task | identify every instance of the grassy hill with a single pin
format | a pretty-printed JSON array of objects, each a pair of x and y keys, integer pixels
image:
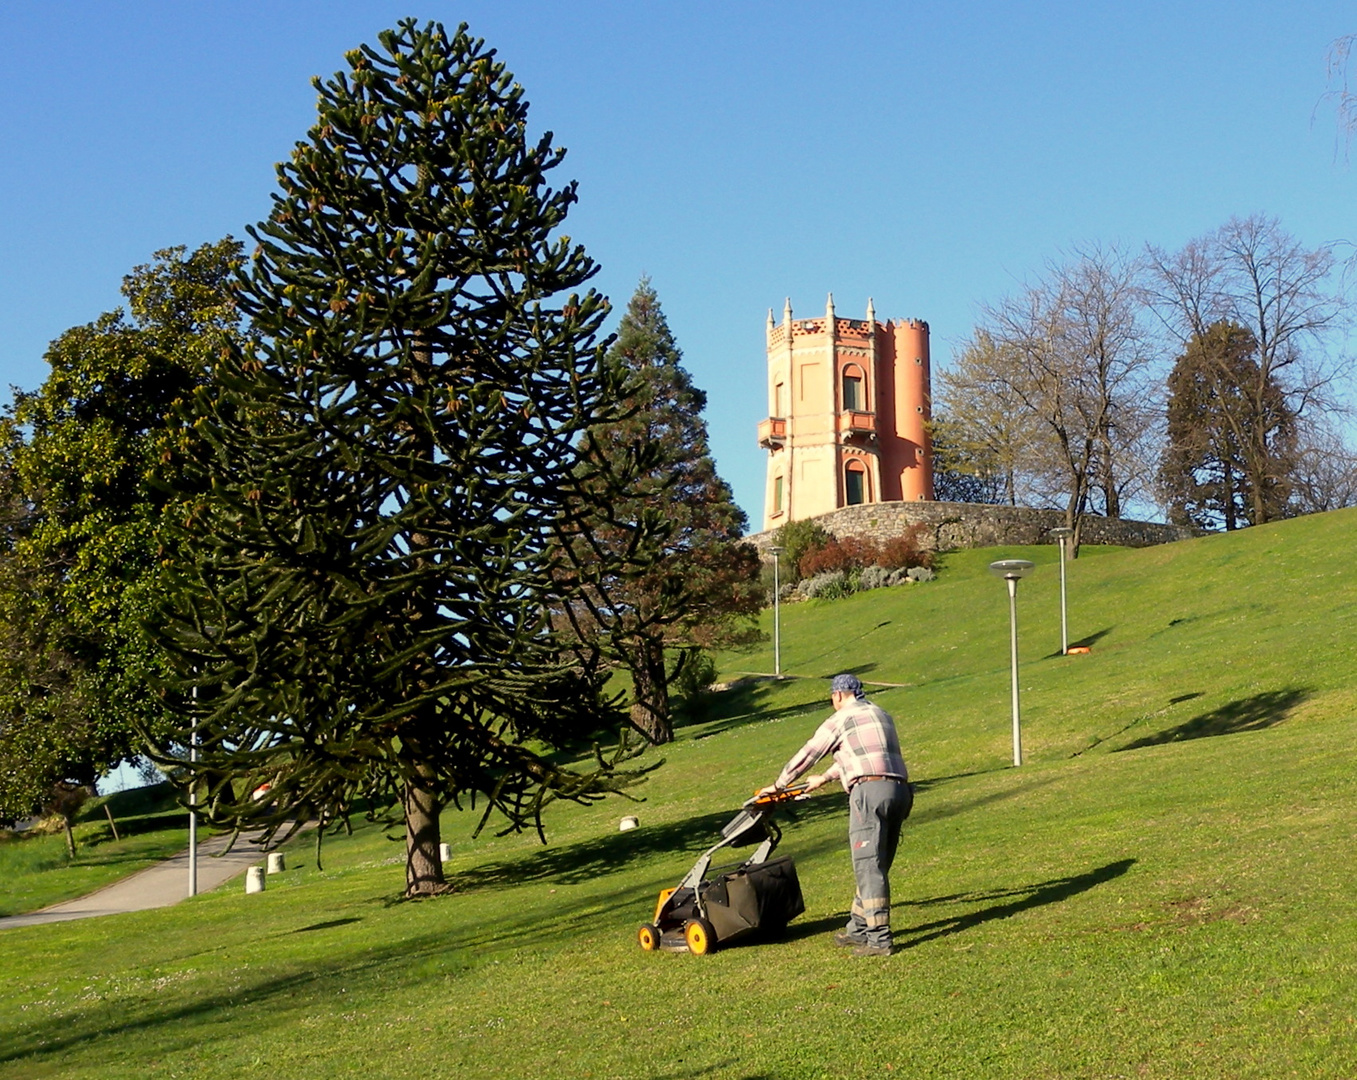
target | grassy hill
[{"x": 1162, "y": 890}]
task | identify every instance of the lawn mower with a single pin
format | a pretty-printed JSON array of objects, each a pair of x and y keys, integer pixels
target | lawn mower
[{"x": 759, "y": 895}]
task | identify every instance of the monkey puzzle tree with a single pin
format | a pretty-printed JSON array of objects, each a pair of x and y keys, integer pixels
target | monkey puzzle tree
[{"x": 363, "y": 605}]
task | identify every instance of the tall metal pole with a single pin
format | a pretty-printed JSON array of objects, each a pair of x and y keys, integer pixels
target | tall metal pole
[
  {"x": 1013, "y": 655},
  {"x": 777, "y": 614},
  {"x": 1064, "y": 622},
  {"x": 1011, "y": 570},
  {"x": 193, "y": 803}
]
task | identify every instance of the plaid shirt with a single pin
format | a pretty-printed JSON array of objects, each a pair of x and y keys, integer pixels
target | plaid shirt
[{"x": 862, "y": 738}]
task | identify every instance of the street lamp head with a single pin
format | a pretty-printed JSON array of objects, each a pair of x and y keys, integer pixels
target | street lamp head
[
  {"x": 777, "y": 550},
  {"x": 1062, "y": 532},
  {"x": 1011, "y": 569}
]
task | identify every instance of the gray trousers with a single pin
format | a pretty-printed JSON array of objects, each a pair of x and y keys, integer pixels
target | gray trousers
[{"x": 876, "y": 810}]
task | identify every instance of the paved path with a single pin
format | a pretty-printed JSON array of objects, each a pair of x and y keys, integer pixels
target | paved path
[{"x": 161, "y": 885}]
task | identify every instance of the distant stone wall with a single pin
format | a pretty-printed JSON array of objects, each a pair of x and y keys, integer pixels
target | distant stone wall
[{"x": 948, "y": 526}]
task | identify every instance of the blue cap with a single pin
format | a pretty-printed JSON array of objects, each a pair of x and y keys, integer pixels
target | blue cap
[{"x": 846, "y": 684}]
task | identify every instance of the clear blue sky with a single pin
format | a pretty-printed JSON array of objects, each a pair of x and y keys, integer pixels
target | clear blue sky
[{"x": 928, "y": 155}]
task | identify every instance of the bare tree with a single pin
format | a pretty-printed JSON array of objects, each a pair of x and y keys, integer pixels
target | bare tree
[
  {"x": 1340, "y": 91},
  {"x": 1251, "y": 273},
  {"x": 1107, "y": 344},
  {"x": 1325, "y": 476},
  {"x": 982, "y": 432},
  {"x": 1065, "y": 362}
]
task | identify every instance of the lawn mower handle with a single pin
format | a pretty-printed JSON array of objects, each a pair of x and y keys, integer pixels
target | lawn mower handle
[{"x": 794, "y": 793}]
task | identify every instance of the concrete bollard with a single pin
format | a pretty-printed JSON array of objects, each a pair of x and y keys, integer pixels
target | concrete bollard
[
  {"x": 444, "y": 852},
  {"x": 628, "y": 823},
  {"x": 254, "y": 879},
  {"x": 276, "y": 862}
]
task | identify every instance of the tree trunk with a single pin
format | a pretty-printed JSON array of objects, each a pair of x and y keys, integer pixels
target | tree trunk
[
  {"x": 1111, "y": 496},
  {"x": 1074, "y": 521},
  {"x": 423, "y": 867},
  {"x": 1227, "y": 483},
  {"x": 70, "y": 836},
  {"x": 650, "y": 705}
]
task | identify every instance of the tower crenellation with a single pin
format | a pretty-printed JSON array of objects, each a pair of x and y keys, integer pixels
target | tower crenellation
[{"x": 848, "y": 410}]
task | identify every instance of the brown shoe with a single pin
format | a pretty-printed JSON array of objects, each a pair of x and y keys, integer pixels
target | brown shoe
[
  {"x": 844, "y": 940},
  {"x": 872, "y": 950}
]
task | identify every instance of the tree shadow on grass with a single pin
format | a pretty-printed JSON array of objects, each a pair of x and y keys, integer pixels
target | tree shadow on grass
[
  {"x": 591, "y": 859},
  {"x": 265, "y": 1000},
  {"x": 748, "y": 702},
  {"x": 683, "y": 840},
  {"x": 1246, "y": 714},
  {"x": 330, "y": 925},
  {"x": 1023, "y": 898}
]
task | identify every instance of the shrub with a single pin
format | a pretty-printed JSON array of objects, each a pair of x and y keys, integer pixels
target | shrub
[
  {"x": 828, "y": 586},
  {"x": 906, "y": 550},
  {"x": 848, "y": 553},
  {"x": 796, "y": 538},
  {"x": 875, "y": 577},
  {"x": 920, "y": 573},
  {"x": 857, "y": 553},
  {"x": 695, "y": 673}
]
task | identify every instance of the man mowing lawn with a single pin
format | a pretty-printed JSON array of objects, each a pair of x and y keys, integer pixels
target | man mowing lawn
[{"x": 867, "y": 761}]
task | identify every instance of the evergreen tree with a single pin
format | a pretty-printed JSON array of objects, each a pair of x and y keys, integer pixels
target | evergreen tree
[
  {"x": 1232, "y": 438},
  {"x": 363, "y": 611},
  {"x": 688, "y": 583},
  {"x": 84, "y": 477}
]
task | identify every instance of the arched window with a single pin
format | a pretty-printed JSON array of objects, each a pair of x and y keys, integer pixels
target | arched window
[
  {"x": 854, "y": 393},
  {"x": 854, "y": 484}
]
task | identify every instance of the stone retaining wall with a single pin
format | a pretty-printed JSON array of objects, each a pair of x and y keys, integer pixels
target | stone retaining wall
[{"x": 948, "y": 526}]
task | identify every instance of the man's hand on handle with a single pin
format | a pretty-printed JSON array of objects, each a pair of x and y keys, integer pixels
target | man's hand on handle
[{"x": 811, "y": 783}]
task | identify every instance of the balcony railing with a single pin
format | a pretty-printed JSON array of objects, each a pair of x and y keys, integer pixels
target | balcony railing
[
  {"x": 772, "y": 432},
  {"x": 855, "y": 422}
]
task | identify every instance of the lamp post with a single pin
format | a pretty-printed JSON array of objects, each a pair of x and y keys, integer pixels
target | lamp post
[
  {"x": 777, "y": 613},
  {"x": 193, "y": 802},
  {"x": 1062, "y": 534},
  {"x": 1011, "y": 570}
]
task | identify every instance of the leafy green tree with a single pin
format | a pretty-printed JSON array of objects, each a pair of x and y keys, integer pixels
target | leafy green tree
[
  {"x": 1232, "y": 440},
  {"x": 364, "y": 597},
  {"x": 84, "y": 477},
  {"x": 692, "y": 584}
]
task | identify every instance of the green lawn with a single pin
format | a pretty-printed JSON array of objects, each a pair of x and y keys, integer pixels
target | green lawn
[
  {"x": 1163, "y": 890},
  {"x": 37, "y": 871}
]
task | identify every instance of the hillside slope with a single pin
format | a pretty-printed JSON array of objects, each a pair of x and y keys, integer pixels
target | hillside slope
[{"x": 1163, "y": 890}]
